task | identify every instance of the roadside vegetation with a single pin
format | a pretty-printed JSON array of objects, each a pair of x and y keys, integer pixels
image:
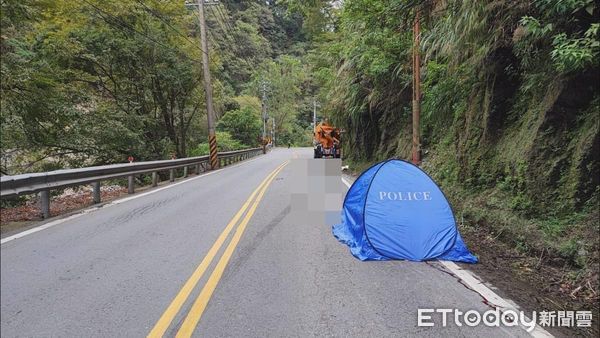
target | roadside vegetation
[
  {"x": 510, "y": 117},
  {"x": 94, "y": 82},
  {"x": 510, "y": 107}
]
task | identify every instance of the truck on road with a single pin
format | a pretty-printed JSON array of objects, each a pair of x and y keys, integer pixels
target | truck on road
[{"x": 326, "y": 141}]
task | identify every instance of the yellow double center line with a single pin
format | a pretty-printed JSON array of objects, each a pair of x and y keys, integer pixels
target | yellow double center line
[{"x": 192, "y": 318}]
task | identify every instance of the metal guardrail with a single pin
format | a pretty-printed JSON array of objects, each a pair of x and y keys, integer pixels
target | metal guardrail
[{"x": 42, "y": 183}]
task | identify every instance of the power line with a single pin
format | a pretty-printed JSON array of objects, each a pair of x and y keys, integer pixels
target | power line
[
  {"x": 161, "y": 18},
  {"x": 214, "y": 40},
  {"x": 222, "y": 14},
  {"x": 228, "y": 24},
  {"x": 233, "y": 38},
  {"x": 104, "y": 14},
  {"x": 223, "y": 22},
  {"x": 226, "y": 27},
  {"x": 231, "y": 27},
  {"x": 224, "y": 30}
]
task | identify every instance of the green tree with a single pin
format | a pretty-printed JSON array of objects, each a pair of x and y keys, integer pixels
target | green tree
[
  {"x": 286, "y": 83},
  {"x": 95, "y": 81},
  {"x": 225, "y": 142},
  {"x": 243, "y": 125}
]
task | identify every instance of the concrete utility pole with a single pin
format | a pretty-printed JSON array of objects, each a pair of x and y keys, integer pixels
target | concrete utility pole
[
  {"x": 265, "y": 115},
  {"x": 416, "y": 99},
  {"x": 314, "y": 113},
  {"x": 273, "y": 131},
  {"x": 212, "y": 137}
]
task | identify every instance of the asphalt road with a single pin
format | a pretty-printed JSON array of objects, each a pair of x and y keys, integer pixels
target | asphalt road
[{"x": 115, "y": 271}]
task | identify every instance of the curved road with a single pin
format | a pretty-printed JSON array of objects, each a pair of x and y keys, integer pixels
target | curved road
[{"x": 116, "y": 271}]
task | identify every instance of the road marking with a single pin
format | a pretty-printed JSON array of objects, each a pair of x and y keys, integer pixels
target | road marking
[
  {"x": 119, "y": 201},
  {"x": 167, "y": 317},
  {"x": 476, "y": 285},
  {"x": 193, "y": 317},
  {"x": 346, "y": 182},
  {"x": 40, "y": 228},
  {"x": 503, "y": 305}
]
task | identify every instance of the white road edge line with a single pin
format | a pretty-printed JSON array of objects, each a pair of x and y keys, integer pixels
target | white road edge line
[
  {"x": 472, "y": 281},
  {"x": 119, "y": 201}
]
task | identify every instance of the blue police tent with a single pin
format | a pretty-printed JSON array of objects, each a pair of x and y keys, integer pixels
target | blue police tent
[{"x": 394, "y": 210}]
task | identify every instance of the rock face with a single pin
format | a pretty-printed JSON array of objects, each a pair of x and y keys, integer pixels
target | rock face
[{"x": 541, "y": 145}]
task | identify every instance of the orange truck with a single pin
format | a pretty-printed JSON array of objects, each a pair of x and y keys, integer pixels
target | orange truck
[{"x": 326, "y": 141}]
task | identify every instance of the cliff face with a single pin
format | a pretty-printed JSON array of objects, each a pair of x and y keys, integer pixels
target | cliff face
[
  {"x": 541, "y": 146},
  {"x": 531, "y": 153},
  {"x": 545, "y": 144}
]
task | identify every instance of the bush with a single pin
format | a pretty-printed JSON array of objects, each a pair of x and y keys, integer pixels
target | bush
[
  {"x": 241, "y": 124},
  {"x": 224, "y": 143}
]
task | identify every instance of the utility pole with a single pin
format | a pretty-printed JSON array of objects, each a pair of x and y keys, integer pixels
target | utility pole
[
  {"x": 314, "y": 113},
  {"x": 416, "y": 99},
  {"x": 210, "y": 117},
  {"x": 265, "y": 116},
  {"x": 273, "y": 131}
]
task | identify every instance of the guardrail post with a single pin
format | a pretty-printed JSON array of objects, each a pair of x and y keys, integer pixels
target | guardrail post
[
  {"x": 154, "y": 179},
  {"x": 130, "y": 184},
  {"x": 94, "y": 177},
  {"x": 45, "y": 203},
  {"x": 96, "y": 192}
]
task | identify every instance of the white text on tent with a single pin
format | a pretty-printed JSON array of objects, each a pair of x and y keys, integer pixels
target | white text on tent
[{"x": 405, "y": 196}]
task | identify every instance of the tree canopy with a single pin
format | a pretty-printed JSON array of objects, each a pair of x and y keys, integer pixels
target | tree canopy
[{"x": 93, "y": 82}]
